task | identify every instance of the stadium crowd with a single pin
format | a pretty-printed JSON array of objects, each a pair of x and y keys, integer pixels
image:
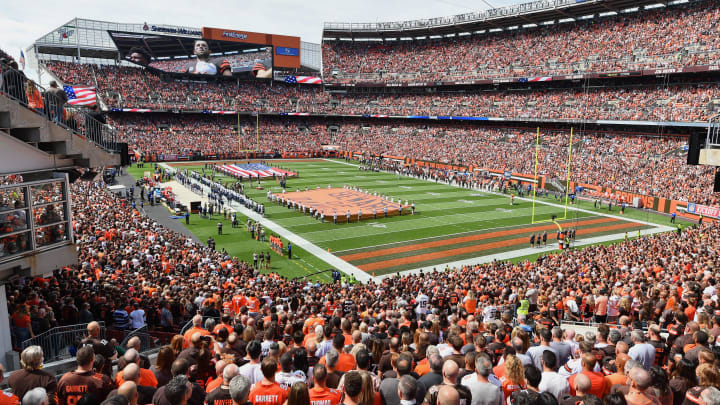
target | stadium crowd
[
  {"x": 642, "y": 164},
  {"x": 482, "y": 334},
  {"x": 136, "y": 88},
  {"x": 210, "y": 134},
  {"x": 132, "y": 87},
  {"x": 660, "y": 38}
]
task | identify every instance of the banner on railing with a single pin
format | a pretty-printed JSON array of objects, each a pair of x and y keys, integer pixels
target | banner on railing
[{"x": 703, "y": 210}]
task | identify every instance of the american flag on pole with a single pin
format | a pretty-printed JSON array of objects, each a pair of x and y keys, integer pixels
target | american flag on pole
[
  {"x": 254, "y": 170},
  {"x": 22, "y": 59},
  {"x": 303, "y": 79},
  {"x": 78, "y": 95}
]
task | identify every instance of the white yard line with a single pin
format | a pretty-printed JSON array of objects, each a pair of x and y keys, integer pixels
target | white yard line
[
  {"x": 571, "y": 208},
  {"x": 440, "y": 237},
  {"x": 528, "y": 251},
  {"x": 521, "y": 252},
  {"x": 299, "y": 241}
]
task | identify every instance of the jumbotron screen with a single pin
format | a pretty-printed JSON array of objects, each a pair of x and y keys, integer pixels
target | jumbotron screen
[{"x": 257, "y": 62}]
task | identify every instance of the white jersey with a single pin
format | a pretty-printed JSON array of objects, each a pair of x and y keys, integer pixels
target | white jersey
[
  {"x": 574, "y": 366},
  {"x": 422, "y": 304},
  {"x": 489, "y": 314}
]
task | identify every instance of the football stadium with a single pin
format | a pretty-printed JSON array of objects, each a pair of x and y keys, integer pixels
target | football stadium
[{"x": 511, "y": 205}]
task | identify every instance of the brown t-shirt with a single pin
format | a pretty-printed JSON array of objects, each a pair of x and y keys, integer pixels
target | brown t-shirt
[
  {"x": 74, "y": 385},
  {"x": 219, "y": 396},
  {"x": 22, "y": 381}
]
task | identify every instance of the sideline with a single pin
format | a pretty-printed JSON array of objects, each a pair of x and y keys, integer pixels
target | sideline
[
  {"x": 298, "y": 241},
  {"x": 656, "y": 228}
]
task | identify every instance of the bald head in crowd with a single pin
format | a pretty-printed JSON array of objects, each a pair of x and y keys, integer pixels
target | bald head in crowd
[
  {"x": 195, "y": 338},
  {"x": 640, "y": 378},
  {"x": 93, "y": 329},
  {"x": 229, "y": 372},
  {"x": 450, "y": 372},
  {"x": 582, "y": 384},
  {"x": 131, "y": 356},
  {"x": 133, "y": 343},
  {"x": 448, "y": 395},
  {"x": 131, "y": 372},
  {"x": 128, "y": 389}
]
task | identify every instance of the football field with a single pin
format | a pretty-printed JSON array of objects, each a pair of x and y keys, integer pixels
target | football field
[{"x": 451, "y": 225}]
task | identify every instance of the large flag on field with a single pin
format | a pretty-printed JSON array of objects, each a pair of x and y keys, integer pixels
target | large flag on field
[
  {"x": 254, "y": 170},
  {"x": 79, "y": 95}
]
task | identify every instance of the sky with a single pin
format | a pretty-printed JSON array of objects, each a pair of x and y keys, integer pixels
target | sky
[{"x": 22, "y": 23}]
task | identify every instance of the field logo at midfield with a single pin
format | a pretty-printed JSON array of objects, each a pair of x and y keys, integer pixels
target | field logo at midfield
[{"x": 340, "y": 200}]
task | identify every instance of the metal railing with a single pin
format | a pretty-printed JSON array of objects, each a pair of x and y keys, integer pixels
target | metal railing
[
  {"x": 712, "y": 141},
  {"x": 57, "y": 342},
  {"x": 51, "y": 103},
  {"x": 147, "y": 341}
]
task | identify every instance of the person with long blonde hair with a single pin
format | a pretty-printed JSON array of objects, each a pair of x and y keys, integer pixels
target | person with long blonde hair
[{"x": 514, "y": 376}]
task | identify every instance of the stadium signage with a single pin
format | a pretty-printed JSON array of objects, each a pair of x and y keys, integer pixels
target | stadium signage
[
  {"x": 171, "y": 30},
  {"x": 703, "y": 210},
  {"x": 236, "y": 35}
]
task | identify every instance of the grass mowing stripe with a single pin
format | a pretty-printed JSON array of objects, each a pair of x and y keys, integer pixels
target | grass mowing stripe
[{"x": 458, "y": 251}]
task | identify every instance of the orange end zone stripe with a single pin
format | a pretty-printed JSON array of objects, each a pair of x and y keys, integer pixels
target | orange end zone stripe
[
  {"x": 477, "y": 248},
  {"x": 463, "y": 239}
]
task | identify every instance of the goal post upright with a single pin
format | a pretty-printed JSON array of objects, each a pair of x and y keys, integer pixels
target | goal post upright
[
  {"x": 257, "y": 134},
  {"x": 567, "y": 180},
  {"x": 537, "y": 151}
]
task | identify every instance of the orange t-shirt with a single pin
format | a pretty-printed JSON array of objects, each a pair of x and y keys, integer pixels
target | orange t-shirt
[
  {"x": 147, "y": 378},
  {"x": 272, "y": 394},
  {"x": 213, "y": 384},
  {"x": 346, "y": 362},
  {"x": 253, "y": 304},
  {"x": 422, "y": 368},
  {"x": 470, "y": 306},
  {"x": 238, "y": 302},
  {"x": 21, "y": 321},
  {"x": 509, "y": 387},
  {"x": 598, "y": 383},
  {"x": 191, "y": 332},
  {"x": 324, "y": 396}
]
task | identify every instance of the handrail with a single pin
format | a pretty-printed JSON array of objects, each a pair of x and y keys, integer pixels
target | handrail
[
  {"x": 55, "y": 341},
  {"x": 37, "y": 98}
]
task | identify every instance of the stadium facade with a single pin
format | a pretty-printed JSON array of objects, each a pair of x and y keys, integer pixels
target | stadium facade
[{"x": 88, "y": 41}]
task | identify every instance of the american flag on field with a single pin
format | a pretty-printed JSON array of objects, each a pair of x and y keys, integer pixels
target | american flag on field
[
  {"x": 254, "y": 170},
  {"x": 78, "y": 95},
  {"x": 303, "y": 79}
]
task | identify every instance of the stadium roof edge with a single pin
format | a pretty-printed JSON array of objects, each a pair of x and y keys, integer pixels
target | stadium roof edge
[
  {"x": 535, "y": 12},
  {"x": 89, "y": 38}
]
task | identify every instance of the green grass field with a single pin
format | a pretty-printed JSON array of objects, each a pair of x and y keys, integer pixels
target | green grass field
[{"x": 450, "y": 223}]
